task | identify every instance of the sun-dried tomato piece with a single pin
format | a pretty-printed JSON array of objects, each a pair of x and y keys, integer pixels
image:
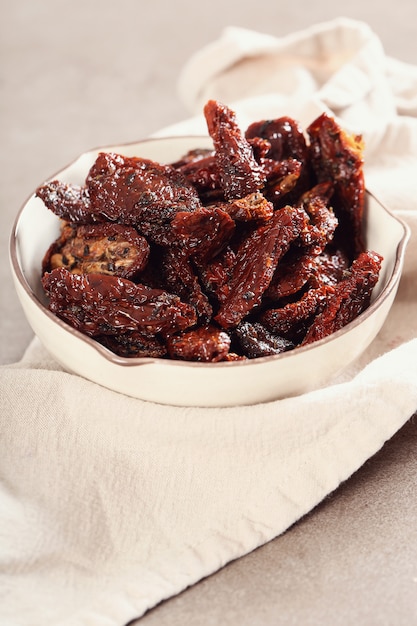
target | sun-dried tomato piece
[
  {"x": 282, "y": 178},
  {"x": 256, "y": 341},
  {"x": 351, "y": 296},
  {"x": 140, "y": 192},
  {"x": 99, "y": 304},
  {"x": 287, "y": 143},
  {"x": 292, "y": 273},
  {"x": 98, "y": 249},
  {"x": 180, "y": 278},
  {"x": 256, "y": 260},
  {"x": 322, "y": 224},
  {"x": 240, "y": 174},
  {"x": 253, "y": 207},
  {"x": 201, "y": 170},
  {"x": 299, "y": 264},
  {"x": 204, "y": 232},
  {"x": 285, "y": 136},
  {"x": 292, "y": 320},
  {"x": 126, "y": 190},
  {"x": 328, "y": 268},
  {"x": 70, "y": 202},
  {"x": 261, "y": 147},
  {"x": 119, "y": 187},
  {"x": 337, "y": 156},
  {"x": 206, "y": 344},
  {"x": 133, "y": 344},
  {"x": 299, "y": 268},
  {"x": 215, "y": 275}
]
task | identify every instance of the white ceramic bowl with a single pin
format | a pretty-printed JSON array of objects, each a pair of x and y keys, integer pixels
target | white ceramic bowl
[{"x": 188, "y": 383}]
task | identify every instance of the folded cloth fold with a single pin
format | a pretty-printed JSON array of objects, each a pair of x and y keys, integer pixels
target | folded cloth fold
[
  {"x": 109, "y": 505},
  {"x": 337, "y": 63}
]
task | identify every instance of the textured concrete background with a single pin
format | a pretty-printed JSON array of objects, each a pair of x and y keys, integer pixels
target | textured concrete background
[{"x": 79, "y": 74}]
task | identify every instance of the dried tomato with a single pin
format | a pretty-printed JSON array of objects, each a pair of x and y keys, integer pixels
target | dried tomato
[
  {"x": 285, "y": 136},
  {"x": 293, "y": 272},
  {"x": 201, "y": 170},
  {"x": 282, "y": 178},
  {"x": 328, "y": 268},
  {"x": 293, "y": 320},
  {"x": 179, "y": 277},
  {"x": 287, "y": 144},
  {"x": 337, "y": 156},
  {"x": 352, "y": 295},
  {"x": 255, "y": 263},
  {"x": 240, "y": 174},
  {"x": 98, "y": 248},
  {"x": 216, "y": 274},
  {"x": 68, "y": 201},
  {"x": 322, "y": 222},
  {"x": 256, "y": 341},
  {"x": 133, "y": 344},
  {"x": 253, "y": 207},
  {"x": 205, "y": 344},
  {"x": 98, "y": 304},
  {"x": 204, "y": 232},
  {"x": 126, "y": 190}
]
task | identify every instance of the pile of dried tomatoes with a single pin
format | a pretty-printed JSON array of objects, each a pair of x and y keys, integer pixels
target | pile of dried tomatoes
[{"x": 246, "y": 250}]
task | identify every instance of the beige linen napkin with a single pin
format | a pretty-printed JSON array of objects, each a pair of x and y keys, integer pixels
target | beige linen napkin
[{"x": 109, "y": 504}]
